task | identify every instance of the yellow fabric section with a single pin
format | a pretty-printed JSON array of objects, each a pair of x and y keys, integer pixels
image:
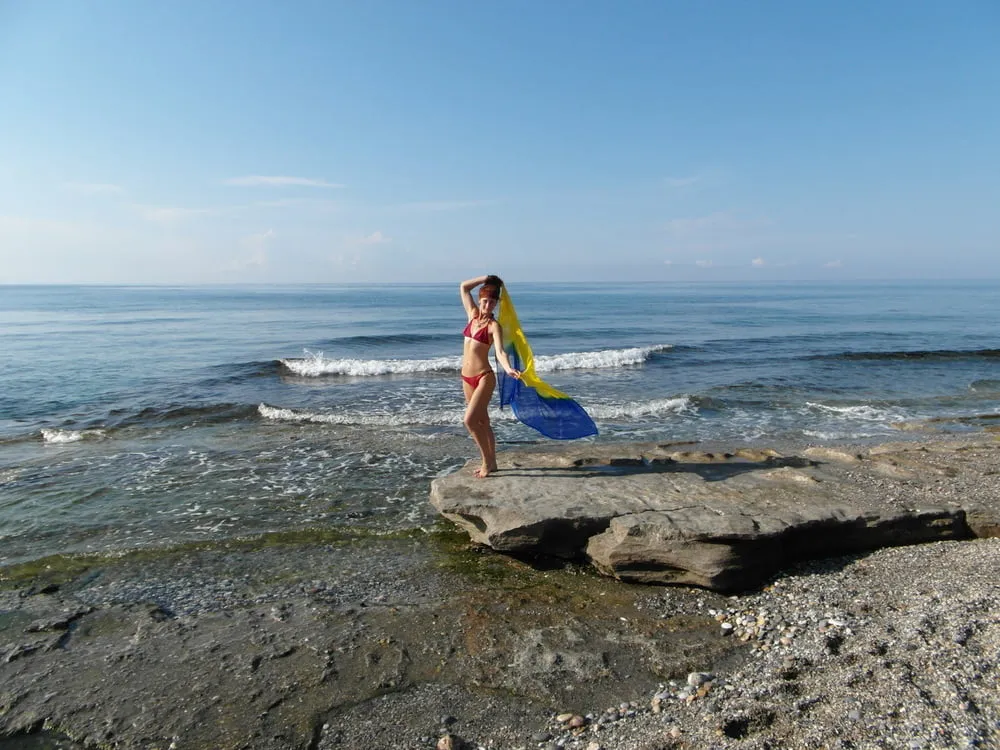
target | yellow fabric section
[{"x": 514, "y": 339}]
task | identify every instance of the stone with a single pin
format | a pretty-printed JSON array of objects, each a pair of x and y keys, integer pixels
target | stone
[
  {"x": 696, "y": 679},
  {"x": 723, "y": 520}
]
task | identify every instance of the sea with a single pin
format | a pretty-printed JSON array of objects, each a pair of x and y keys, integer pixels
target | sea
[{"x": 135, "y": 417}]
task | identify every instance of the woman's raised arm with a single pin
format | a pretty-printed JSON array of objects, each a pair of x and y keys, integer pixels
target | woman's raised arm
[{"x": 465, "y": 292}]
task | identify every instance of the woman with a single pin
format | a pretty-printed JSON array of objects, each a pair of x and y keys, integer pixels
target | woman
[{"x": 478, "y": 379}]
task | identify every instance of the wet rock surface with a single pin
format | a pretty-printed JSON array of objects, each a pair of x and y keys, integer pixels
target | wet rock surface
[
  {"x": 377, "y": 642},
  {"x": 416, "y": 640},
  {"x": 656, "y": 513}
]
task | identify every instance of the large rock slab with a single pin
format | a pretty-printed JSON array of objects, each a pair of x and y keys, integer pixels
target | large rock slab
[{"x": 725, "y": 520}]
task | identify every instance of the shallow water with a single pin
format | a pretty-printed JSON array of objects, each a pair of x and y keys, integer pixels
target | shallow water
[{"x": 139, "y": 416}]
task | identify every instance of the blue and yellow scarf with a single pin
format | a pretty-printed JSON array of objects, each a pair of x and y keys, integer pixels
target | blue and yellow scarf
[{"x": 535, "y": 402}]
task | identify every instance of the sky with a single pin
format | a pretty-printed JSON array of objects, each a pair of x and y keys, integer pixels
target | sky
[{"x": 225, "y": 142}]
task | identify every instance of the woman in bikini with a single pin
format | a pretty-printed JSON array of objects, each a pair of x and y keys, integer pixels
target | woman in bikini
[{"x": 478, "y": 379}]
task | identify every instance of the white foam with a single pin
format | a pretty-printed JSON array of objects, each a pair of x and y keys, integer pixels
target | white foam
[
  {"x": 444, "y": 417},
  {"x": 638, "y": 409},
  {"x": 68, "y": 436},
  {"x": 398, "y": 418},
  {"x": 604, "y": 359},
  {"x": 863, "y": 412},
  {"x": 315, "y": 364},
  {"x": 829, "y": 436}
]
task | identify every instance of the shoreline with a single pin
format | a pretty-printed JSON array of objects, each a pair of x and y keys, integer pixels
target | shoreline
[{"x": 394, "y": 641}]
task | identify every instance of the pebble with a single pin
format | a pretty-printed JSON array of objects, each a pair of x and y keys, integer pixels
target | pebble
[{"x": 698, "y": 678}]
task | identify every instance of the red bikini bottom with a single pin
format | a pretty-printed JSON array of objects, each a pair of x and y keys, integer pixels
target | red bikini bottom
[{"x": 473, "y": 380}]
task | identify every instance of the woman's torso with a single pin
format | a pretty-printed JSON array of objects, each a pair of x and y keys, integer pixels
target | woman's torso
[{"x": 476, "y": 342}]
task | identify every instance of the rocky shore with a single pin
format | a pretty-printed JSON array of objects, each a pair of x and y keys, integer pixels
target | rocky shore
[{"x": 335, "y": 639}]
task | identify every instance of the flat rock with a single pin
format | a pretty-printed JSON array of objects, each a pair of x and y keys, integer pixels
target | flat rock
[{"x": 725, "y": 520}]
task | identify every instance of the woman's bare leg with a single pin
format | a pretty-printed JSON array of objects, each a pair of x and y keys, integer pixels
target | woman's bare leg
[{"x": 477, "y": 421}]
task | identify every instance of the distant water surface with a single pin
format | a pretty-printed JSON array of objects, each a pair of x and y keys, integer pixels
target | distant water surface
[{"x": 134, "y": 416}]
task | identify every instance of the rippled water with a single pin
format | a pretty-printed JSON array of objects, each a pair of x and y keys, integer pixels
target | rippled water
[{"x": 135, "y": 416}]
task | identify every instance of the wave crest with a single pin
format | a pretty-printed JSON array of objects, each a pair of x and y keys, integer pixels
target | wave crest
[
  {"x": 861, "y": 412},
  {"x": 638, "y": 409},
  {"x": 453, "y": 417},
  {"x": 315, "y": 364},
  {"x": 599, "y": 360},
  {"x": 69, "y": 436},
  {"x": 400, "y": 418}
]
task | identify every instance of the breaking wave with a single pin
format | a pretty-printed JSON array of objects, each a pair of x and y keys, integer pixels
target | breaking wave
[
  {"x": 633, "y": 410},
  {"x": 860, "y": 412},
  {"x": 315, "y": 364},
  {"x": 69, "y": 436},
  {"x": 660, "y": 407},
  {"x": 397, "y": 418}
]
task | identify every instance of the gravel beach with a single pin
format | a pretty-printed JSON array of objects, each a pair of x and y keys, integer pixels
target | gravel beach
[{"x": 895, "y": 649}]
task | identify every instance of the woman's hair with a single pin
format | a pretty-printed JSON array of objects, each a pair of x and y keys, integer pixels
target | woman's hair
[{"x": 491, "y": 287}]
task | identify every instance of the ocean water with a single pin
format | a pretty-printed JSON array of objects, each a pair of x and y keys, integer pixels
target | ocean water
[{"x": 139, "y": 416}]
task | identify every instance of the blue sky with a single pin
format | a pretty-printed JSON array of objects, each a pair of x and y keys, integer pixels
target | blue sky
[{"x": 247, "y": 142}]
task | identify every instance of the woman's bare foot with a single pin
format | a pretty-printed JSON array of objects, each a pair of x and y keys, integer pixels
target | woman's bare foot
[{"x": 484, "y": 471}]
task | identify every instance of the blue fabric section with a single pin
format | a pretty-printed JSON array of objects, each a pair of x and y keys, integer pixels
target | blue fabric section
[
  {"x": 507, "y": 384},
  {"x": 557, "y": 418}
]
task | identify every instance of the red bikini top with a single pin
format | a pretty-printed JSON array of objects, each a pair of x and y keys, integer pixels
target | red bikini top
[{"x": 482, "y": 335}]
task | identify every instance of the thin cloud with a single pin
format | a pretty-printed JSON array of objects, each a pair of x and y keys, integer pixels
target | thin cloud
[
  {"x": 834, "y": 264},
  {"x": 720, "y": 234},
  {"x": 93, "y": 188},
  {"x": 682, "y": 182},
  {"x": 171, "y": 214},
  {"x": 454, "y": 205},
  {"x": 375, "y": 238},
  {"x": 26, "y": 227},
  {"x": 757, "y": 262},
  {"x": 324, "y": 205},
  {"x": 698, "y": 224},
  {"x": 715, "y": 222},
  {"x": 255, "y": 247},
  {"x": 279, "y": 181}
]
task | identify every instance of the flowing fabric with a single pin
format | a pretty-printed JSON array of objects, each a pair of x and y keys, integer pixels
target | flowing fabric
[{"x": 535, "y": 402}]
